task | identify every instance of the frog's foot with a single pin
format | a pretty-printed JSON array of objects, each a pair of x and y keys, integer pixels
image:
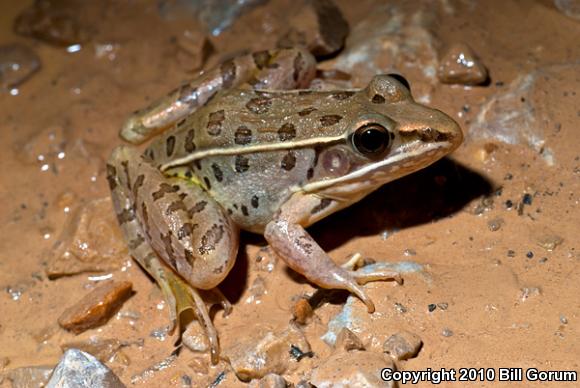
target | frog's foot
[
  {"x": 181, "y": 297},
  {"x": 306, "y": 257},
  {"x": 364, "y": 275}
]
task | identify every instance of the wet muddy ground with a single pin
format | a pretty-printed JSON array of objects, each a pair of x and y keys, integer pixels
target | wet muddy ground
[{"x": 487, "y": 239}]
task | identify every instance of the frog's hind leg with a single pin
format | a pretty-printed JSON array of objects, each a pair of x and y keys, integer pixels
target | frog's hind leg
[
  {"x": 275, "y": 69},
  {"x": 126, "y": 173}
]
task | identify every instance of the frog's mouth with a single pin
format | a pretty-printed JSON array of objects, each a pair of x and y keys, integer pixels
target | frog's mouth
[{"x": 403, "y": 161}]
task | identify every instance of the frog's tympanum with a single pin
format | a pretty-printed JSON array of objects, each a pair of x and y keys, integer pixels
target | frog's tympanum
[{"x": 247, "y": 146}]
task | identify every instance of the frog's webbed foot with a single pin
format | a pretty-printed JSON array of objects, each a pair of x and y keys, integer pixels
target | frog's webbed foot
[
  {"x": 181, "y": 298},
  {"x": 306, "y": 257}
]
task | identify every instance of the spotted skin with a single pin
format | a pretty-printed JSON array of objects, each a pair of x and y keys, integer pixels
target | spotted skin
[{"x": 228, "y": 156}]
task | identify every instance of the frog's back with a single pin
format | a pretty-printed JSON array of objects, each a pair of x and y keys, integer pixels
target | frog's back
[{"x": 249, "y": 148}]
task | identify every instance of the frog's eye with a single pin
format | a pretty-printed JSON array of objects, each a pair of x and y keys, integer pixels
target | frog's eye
[
  {"x": 372, "y": 139},
  {"x": 401, "y": 79}
]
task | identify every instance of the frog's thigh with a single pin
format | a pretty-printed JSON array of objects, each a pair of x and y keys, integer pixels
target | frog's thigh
[
  {"x": 275, "y": 69},
  {"x": 182, "y": 222}
]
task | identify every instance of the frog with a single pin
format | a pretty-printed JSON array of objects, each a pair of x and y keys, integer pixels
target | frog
[{"x": 249, "y": 146}]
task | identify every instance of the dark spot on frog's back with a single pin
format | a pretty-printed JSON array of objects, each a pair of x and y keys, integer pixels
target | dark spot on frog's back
[
  {"x": 150, "y": 153},
  {"x": 287, "y": 132},
  {"x": 207, "y": 183},
  {"x": 288, "y": 161},
  {"x": 255, "y": 202},
  {"x": 163, "y": 189},
  {"x": 244, "y": 210},
  {"x": 189, "y": 144},
  {"x": 170, "y": 145},
  {"x": 242, "y": 164},
  {"x": 344, "y": 95},
  {"x": 228, "y": 72},
  {"x": 306, "y": 112},
  {"x": 214, "y": 122},
  {"x": 217, "y": 172},
  {"x": 243, "y": 135},
  {"x": 329, "y": 120},
  {"x": 259, "y": 105}
]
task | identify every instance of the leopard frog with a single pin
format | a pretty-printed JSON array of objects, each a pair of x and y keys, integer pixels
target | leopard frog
[{"x": 248, "y": 146}]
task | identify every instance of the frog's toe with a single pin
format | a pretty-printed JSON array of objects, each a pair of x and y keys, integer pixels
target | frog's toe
[
  {"x": 181, "y": 297},
  {"x": 363, "y": 277},
  {"x": 215, "y": 296}
]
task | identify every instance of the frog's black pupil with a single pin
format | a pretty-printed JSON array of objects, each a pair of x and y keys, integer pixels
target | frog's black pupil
[
  {"x": 372, "y": 139},
  {"x": 401, "y": 79}
]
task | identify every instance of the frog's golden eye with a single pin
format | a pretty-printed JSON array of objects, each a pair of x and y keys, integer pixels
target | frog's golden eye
[{"x": 372, "y": 139}]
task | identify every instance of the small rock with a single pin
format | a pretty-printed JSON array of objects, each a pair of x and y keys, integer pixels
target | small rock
[
  {"x": 403, "y": 345},
  {"x": 97, "y": 307},
  {"x": 528, "y": 292},
  {"x": 17, "y": 64},
  {"x": 198, "y": 365},
  {"x": 79, "y": 369},
  {"x": 257, "y": 290},
  {"x": 347, "y": 340},
  {"x": 495, "y": 224},
  {"x": 53, "y": 22},
  {"x": 460, "y": 65},
  {"x": 194, "y": 338},
  {"x": 29, "y": 376},
  {"x": 549, "y": 241},
  {"x": 90, "y": 242},
  {"x": 319, "y": 26},
  {"x": 447, "y": 332},
  {"x": 570, "y": 8},
  {"x": 352, "y": 369},
  {"x": 103, "y": 349},
  {"x": 302, "y": 310},
  {"x": 271, "y": 380},
  {"x": 262, "y": 352}
]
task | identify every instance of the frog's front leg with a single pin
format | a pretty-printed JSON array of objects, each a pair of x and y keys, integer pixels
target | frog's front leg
[
  {"x": 275, "y": 69},
  {"x": 297, "y": 248},
  {"x": 176, "y": 232}
]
